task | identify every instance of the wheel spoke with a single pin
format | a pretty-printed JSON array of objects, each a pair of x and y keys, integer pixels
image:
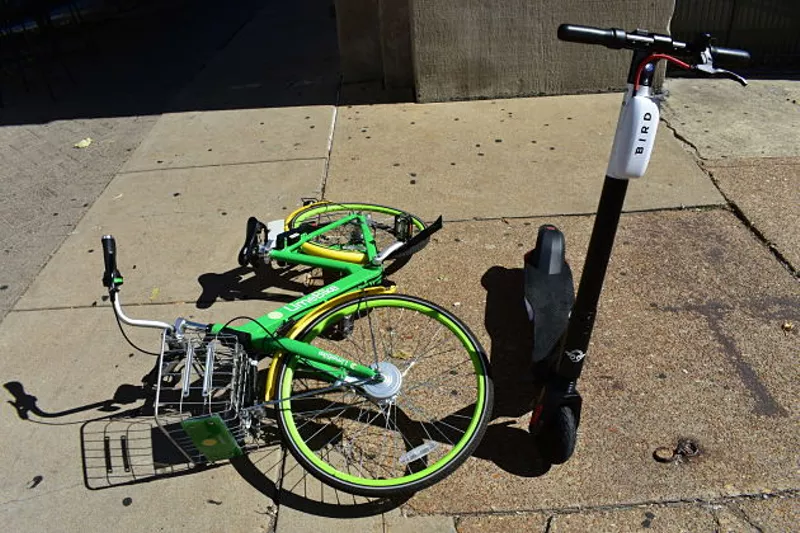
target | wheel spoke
[{"x": 361, "y": 437}]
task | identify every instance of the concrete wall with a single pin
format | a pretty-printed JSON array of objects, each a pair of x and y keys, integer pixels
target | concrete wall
[
  {"x": 503, "y": 48},
  {"x": 768, "y": 29},
  {"x": 375, "y": 41},
  {"x": 358, "y": 28}
]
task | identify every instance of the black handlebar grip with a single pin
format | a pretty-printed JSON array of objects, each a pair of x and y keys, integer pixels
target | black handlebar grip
[
  {"x": 575, "y": 33},
  {"x": 730, "y": 55},
  {"x": 110, "y": 259}
]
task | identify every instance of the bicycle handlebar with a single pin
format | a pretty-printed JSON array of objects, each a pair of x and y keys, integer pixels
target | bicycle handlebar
[
  {"x": 113, "y": 279},
  {"x": 654, "y": 42},
  {"x": 110, "y": 259},
  {"x": 411, "y": 244}
]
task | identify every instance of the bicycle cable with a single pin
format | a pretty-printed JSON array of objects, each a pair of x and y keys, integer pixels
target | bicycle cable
[{"x": 262, "y": 326}]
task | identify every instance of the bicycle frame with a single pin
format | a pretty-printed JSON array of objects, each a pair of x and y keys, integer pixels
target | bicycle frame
[{"x": 261, "y": 334}]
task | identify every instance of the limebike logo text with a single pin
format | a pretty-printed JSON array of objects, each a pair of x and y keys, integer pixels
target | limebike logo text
[
  {"x": 310, "y": 299},
  {"x": 336, "y": 359}
]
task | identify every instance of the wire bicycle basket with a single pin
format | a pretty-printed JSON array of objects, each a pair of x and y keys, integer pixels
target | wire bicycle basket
[{"x": 205, "y": 383}]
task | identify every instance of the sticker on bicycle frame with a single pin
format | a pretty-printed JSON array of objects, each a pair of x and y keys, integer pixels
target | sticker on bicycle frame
[
  {"x": 275, "y": 315},
  {"x": 312, "y": 298},
  {"x": 336, "y": 359},
  {"x": 576, "y": 355}
]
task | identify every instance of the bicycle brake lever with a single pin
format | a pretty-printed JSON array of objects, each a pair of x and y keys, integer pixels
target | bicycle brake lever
[{"x": 711, "y": 70}]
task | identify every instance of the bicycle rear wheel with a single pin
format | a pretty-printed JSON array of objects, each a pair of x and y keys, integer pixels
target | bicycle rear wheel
[
  {"x": 346, "y": 243},
  {"x": 403, "y": 434}
]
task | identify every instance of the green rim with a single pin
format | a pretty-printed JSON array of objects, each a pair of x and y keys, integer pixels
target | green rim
[
  {"x": 315, "y": 210},
  {"x": 480, "y": 374}
]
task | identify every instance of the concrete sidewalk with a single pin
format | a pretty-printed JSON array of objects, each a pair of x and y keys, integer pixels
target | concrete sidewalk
[{"x": 691, "y": 341}]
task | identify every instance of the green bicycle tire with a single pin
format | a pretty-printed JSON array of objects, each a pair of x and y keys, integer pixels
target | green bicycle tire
[
  {"x": 456, "y": 389},
  {"x": 381, "y": 216}
]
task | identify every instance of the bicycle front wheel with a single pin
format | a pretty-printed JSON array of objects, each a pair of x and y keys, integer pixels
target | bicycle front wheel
[
  {"x": 346, "y": 243},
  {"x": 400, "y": 435}
]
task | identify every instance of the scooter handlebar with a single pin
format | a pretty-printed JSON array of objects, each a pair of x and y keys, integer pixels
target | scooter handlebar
[
  {"x": 730, "y": 54},
  {"x": 654, "y": 42}
]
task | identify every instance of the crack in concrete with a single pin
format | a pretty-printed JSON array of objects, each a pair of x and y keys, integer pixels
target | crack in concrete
[
  {"x": 742, "y": 514},
  {"x": 683, "y": 139},
  {"x": 548, "y": 525},
  {"x": 758, "y": 234},
  {"x": 734, "y": 207},
  {"x": 713, "y": 512}
]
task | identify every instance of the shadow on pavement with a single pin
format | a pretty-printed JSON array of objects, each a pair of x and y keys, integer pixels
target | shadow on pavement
[
  {"x": 121, "y": 449},
  {"x": 129, "y": 448},
  {"x": 237, "y": 284},
  {"x": 306, "y": 493},
  {"x": 505, "y": 444},
  {"x": 27, "y": 404},
  {"x": 138, "y": 57}
]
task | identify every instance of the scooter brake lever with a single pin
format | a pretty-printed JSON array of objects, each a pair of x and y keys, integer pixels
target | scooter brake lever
[{"x": 711, "y": 70}]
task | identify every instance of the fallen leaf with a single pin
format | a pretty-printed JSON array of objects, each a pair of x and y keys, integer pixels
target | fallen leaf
[
  {"x": 84, "y": 143},
  {"x": 154, "y": 293}
]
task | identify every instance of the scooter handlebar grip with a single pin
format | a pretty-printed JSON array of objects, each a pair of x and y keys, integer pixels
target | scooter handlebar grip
[
  {"x": 576, "y": 33},
  {"x": 730, "y": 55}
]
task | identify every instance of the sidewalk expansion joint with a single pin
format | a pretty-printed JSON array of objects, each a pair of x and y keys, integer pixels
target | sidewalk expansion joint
[
  {"x": 696, "y": 208},
  {"x": 330, "y": 139},
  {"x": 722, "y": 500},
  {"x": 217, "y": 165},
  {"x": 104, "y": 306}
]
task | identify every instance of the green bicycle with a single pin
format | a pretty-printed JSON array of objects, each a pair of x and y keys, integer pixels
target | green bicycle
[{"x": 375, "y": 393}]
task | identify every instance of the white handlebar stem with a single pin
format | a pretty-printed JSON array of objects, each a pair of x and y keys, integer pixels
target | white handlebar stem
[
  {"x": 381, "y": 257},
  {"x": 134, "y": 322}
]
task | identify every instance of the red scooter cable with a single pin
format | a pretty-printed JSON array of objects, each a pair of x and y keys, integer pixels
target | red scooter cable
[{"x": 650, "y": 58}]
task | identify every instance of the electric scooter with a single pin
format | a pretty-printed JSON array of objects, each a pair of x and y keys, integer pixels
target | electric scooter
[{"x": 562, "y": 322}]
